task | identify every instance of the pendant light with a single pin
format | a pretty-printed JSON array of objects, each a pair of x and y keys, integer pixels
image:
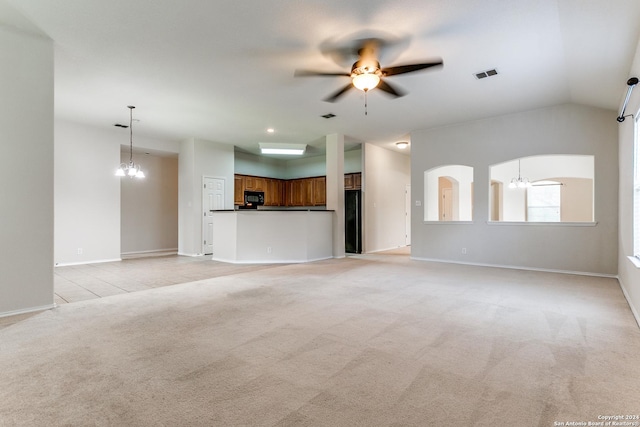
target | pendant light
[
  {"x": 130, "y": 169},
  {"x": 519, "y": 182}
]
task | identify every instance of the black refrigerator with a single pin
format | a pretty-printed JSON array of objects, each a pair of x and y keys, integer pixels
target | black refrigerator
[{"x": 353, "y": 221}]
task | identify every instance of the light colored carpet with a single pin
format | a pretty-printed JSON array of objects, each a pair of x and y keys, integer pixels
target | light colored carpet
[{"x": 362, "y": 341}]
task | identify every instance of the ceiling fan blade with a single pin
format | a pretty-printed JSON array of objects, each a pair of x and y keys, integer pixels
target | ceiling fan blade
[
  {"x": 307, "y": 73},
  {"x": 386, "y": 87},
  {"x": 401, "y": 69},
  {"x": 334, "y": 97}
]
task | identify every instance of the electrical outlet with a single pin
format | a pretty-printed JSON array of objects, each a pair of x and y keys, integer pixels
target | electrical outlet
[
  {"x": 79, "y": 251},
  {"x": 418, "y": 203},
  {"x": 464, "y": 251},
  {"x": 268, "y": 249}
]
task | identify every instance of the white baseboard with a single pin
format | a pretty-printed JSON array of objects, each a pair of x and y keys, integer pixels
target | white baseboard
[
  {"x": 94, "y": 261},
  {"x": 192, "y": 255},
  {"x": 516, "y": 267},
  {"x": 631, "y": 306},
  {"x": 272, "y": 261},
  {"x": 145, "y": 254},
  {"x": 27, "y": 310},
  {"x": 388, "y": 249}
]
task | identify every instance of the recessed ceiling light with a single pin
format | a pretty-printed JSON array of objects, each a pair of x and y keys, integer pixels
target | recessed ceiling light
[
  {"x": 271, "y": 130},
  {"x": 402, "y": 145}
]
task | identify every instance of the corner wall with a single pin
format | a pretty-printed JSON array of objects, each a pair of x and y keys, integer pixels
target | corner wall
[
  {"x": 87, "y": 194},
  {"x": 628, "y": 273},
  {"x": 200, "y": 158},
  {"x": 563, "y": 129},
  {"x": 26, "y": 193},
  {"x": 149, "y": 209},
  {"x": 384, "y": 179}
]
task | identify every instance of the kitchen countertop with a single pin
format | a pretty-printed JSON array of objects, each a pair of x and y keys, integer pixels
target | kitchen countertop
[{"x": 273, "y": 210}]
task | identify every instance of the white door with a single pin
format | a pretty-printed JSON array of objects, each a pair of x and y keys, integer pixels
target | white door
[
  {"x": 212, "y": 200},
  {"x": 407, "y": 208}
]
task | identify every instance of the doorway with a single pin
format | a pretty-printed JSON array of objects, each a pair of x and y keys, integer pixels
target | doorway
[
  {"x": 447, "y": 205},
  {"x": 353, "y": 221},
  {"x": 212, "y": 200},
  {"x": 407, "y": 215}
]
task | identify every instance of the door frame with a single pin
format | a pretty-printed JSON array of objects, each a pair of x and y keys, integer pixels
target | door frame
[
  {"x": 407, "y": 214},
  {"x": 204, "y": 217}
]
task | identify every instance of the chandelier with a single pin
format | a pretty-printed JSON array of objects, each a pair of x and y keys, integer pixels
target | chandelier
[
  {"x": 130, "y": 169},
  {"x": 519, "y": 182}
]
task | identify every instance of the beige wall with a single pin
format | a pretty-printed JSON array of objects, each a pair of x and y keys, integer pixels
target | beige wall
[
  {"x": 149, "y": 206},
  {"x": 576, "y": 199}
]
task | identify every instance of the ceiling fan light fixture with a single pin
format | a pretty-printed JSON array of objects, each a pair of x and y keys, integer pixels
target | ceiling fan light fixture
[
  {"x": 402, "y": 145},
  {"x": 366, "y": 81}
]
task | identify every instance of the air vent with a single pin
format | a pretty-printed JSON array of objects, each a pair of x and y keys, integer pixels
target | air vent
[
  {"x": 329, "y": 116},
  {"x": 485, "y": 74},
  {"x": 118, "y": 125}
]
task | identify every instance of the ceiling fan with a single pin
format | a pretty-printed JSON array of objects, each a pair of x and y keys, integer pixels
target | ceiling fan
[{"x": 366, "y": 72}]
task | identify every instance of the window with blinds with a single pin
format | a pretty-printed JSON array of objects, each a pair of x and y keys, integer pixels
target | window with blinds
[{"x": 543, "y": 202}]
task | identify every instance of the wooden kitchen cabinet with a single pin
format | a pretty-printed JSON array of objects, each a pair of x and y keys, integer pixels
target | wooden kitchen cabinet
[
  {"x": 260, "y": 184},
  {"x": 357, "y": 181},
  {"x": 307, "y": 191},
  {"x": 272, "y": 188},
  {"x": 273, "y": 192},
  {"x": 249, "y": 182},
  {"x": 348, "y": 181},
  {"x": 319, "y": 191},
  {"x": 238, "y": 190},
  {"x": 269, "y": 197},
  {"x": 295, "y": 193},
  {"x": 352, "y": 181},
  {"x": 278, "y": 192}
]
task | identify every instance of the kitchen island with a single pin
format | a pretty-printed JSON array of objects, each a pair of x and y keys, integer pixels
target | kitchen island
[{"x": 272, "y": 236}]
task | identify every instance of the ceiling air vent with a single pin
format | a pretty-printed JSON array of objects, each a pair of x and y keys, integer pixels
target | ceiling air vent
[
  {"x": 485, "y": 74},
  {"x": 328, "y": 116}
]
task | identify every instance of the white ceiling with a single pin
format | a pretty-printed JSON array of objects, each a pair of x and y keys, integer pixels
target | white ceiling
[{"x": 223, "y": 70}]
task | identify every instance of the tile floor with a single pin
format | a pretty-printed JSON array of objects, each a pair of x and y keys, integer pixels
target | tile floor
[{"x": 88, "y": 281}]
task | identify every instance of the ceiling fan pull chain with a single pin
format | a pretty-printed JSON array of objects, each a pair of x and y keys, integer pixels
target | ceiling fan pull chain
[{"x": 365, "y": 102}]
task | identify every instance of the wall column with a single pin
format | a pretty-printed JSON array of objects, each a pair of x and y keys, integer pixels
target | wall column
[
  {"x": 335, "y": 190},
  {"x": 26, "y": 194}
]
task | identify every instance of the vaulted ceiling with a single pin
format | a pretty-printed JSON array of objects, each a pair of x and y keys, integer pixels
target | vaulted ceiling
[{"x": 224, "y": 70}]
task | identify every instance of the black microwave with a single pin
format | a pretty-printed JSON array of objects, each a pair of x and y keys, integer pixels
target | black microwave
[{"x": 253, "y": 199}]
